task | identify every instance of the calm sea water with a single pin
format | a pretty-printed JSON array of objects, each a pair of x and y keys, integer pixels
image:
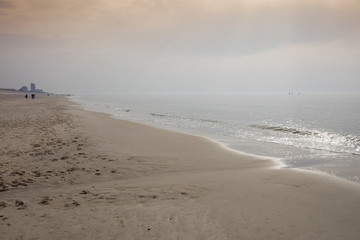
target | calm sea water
[{"x": 320, "y": 132}]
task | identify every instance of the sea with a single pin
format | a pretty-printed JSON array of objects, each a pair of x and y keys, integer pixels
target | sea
[{"x": 309, "y": 131}]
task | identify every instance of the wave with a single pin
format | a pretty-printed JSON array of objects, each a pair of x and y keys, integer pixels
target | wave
[
  {"x": 286, "y": 130},
  {"x": 159, "y": 115},
  {"x": 185, "y": 118},
  {"x": 327, "y": 140}
]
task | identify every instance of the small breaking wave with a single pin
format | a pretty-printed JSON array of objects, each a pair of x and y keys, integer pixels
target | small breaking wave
[
  {"x": 317, "y": 139},
  {"x": 286, "y": 130},
  {"x": 185, "y": 118},
  {"x": 159, "y": 115}
]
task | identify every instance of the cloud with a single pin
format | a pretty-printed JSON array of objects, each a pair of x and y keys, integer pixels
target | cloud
[
  {"x": 181, "y": 44},
  {"x": 206, "y": 27},
  {"x": 6, "y": 4},
  {"x": 244, "y": 31},
  {"x": 230, "y": 27}
]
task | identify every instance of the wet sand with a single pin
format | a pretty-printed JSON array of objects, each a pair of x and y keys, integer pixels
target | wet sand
[{"x": 70, "y": 174}]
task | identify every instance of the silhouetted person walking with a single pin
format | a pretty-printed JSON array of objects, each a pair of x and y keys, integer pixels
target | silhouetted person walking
[
  {"x": 26, "y": 96},
  {"x": 32, "y": 96}
]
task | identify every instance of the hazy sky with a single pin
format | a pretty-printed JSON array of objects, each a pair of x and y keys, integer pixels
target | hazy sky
[{"x": 109, "y": 46}]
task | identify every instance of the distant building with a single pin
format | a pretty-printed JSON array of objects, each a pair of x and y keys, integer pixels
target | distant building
[
  {"x": 33, "y": 87},
  {"x": 24, "y": 89}
]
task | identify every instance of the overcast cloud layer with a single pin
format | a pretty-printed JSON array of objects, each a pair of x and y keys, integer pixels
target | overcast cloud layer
[{"x": 109, "y": 46}]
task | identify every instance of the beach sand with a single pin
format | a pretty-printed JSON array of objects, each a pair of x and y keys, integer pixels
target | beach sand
[{"x": 66, "y": 173}]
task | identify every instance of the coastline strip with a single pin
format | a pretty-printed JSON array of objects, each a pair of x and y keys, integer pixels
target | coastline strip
[{"x": 114, "y": 178}]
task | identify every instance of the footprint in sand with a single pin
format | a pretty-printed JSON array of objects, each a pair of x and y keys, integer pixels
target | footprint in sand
[
  {"x": 84, "y": 192},
  {"x": 3, "y": 205},
  {"x": 20, "y": 204},
  {"x": 73, "y": 203},
  {"x": 45, "y": 200}
]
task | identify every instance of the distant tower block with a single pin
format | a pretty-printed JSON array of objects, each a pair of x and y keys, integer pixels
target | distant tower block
[{"x": 33, "y": 87}]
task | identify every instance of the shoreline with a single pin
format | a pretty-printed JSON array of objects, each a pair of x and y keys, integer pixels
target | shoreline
[
  {"x": 92, "y": 176},
  {"x": 279, "y": 162},
  {"x": 273, "y": 162}
]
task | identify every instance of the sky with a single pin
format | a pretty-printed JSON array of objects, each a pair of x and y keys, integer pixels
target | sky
[{"x": 116, "y": 46}]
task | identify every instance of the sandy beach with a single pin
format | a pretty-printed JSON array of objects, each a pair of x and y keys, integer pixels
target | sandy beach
[{"x": 66, "y": 173}]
